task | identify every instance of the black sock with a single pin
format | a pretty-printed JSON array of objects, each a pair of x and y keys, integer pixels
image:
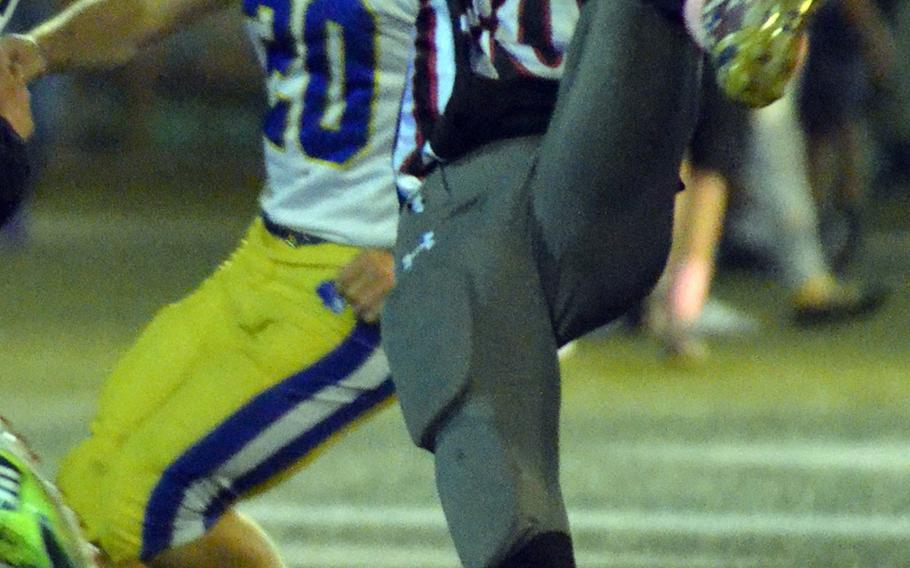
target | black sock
[{"x": 547, "y": 550}]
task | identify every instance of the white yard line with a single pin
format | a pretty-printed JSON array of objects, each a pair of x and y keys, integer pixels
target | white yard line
[
  {"x": 870, "y": 456},
  {"x": 694, "y": 523}
]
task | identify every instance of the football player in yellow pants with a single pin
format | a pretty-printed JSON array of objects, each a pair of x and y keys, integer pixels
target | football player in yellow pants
[{"x": 231, "y": 389}]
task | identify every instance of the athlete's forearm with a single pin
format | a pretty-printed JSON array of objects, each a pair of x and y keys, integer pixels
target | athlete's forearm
[{"x": 107, "y": 33}]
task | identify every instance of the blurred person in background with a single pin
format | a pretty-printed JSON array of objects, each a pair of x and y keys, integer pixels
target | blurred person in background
[
  {"x": 851, "y": 50},
  {"x": 778, "y": 220},
  {"x": 47, "y": 102},
  {"x": 16, "y": 126},
  {"x": 760, "y": 156},
  {"x": 680, "y": 312},
  {"x": 282, "y": 341}
]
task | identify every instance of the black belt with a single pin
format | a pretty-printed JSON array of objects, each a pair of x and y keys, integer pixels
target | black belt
[{"x": 290, "y": 236}]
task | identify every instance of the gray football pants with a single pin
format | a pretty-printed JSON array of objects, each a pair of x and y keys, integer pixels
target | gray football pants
[{"x": 524, "y": 245}]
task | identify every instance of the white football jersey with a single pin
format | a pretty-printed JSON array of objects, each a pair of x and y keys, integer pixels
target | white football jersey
[{"x": 335, "y": 70}]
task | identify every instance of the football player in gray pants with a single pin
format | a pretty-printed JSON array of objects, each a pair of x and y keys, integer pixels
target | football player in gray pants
[{"x": 519, "y": 244}]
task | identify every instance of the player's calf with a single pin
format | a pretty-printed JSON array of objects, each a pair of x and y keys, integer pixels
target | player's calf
[{"x": 501, "y": 497}]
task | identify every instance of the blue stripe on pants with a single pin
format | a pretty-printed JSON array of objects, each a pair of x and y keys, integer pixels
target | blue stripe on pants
[{"x": 232, "y": 435}]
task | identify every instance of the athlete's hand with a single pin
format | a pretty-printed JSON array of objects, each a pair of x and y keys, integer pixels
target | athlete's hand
[
  {"x": 22, "y": 50},
  {"x": 14, "y": 97},
  {"x": 365, "y": 281}
]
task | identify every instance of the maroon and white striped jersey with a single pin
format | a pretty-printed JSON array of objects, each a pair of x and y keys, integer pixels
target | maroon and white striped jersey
[{"x": 482, "y": 70}]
